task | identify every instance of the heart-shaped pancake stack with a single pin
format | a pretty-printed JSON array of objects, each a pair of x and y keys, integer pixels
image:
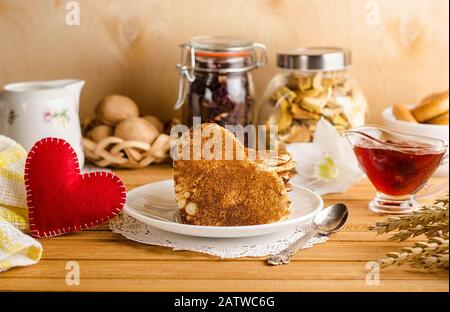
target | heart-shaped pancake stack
[{"x": 215, "y": 189}]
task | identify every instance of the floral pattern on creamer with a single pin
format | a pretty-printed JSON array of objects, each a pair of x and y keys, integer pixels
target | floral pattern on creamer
[
  {"x": 60, "y": 117},
  {"x": 12, "y": 116}
]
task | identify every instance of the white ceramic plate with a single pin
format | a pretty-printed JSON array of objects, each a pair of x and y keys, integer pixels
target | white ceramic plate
[{"x": 154, "y": 204}]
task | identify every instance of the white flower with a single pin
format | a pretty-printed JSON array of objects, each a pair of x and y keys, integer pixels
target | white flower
[{"x": 328, "y": 164}]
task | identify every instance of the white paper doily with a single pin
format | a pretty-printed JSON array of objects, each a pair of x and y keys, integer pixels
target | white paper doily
[{"x": 221, "y": 247}]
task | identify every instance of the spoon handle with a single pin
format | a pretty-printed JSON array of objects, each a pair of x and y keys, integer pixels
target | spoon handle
[{"x": 284, "y": 257}]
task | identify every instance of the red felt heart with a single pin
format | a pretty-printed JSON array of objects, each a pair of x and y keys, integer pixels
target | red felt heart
[{"x": 60, "y": 199}]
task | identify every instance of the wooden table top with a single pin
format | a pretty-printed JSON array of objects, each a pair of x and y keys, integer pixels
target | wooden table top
[{"x": 109, "y": 262}]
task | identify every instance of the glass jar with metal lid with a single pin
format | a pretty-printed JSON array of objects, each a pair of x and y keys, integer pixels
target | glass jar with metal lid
[
  {"x": 216, "y": 82},
  {"x": 312, "y": 83}
]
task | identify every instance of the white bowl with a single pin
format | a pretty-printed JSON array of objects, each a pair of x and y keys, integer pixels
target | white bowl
[{"x": 432, "y": 131}]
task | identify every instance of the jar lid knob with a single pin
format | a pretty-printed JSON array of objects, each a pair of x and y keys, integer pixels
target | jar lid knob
[{"x": 315, "y": 58}]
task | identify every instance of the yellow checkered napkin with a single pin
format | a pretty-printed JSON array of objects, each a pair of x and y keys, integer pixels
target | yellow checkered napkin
[{"x": 16, "y": 248}]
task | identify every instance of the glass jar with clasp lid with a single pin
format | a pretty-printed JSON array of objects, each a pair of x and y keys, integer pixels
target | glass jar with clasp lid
[
  {"x": 312, "y": 83},
  {"x": 216, "y": 79}
]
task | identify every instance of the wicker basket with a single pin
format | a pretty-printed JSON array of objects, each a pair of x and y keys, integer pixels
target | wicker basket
[{"x": 115, "y": 152}]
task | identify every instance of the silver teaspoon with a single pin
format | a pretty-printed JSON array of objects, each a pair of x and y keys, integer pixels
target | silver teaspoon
[{"x": 326, "y": 222}]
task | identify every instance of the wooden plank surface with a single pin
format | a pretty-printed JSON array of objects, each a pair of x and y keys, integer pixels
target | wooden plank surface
[
  {"x": 109, "y": 262},
  {"x": 400, "y": 47}
]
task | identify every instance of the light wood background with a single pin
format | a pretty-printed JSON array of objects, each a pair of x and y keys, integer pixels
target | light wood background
[{"x": 130, "y": 46}]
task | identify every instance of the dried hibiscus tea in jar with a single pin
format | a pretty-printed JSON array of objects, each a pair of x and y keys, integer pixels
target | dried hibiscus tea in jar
[
  {"x": 225, "y": 100},
  {"x": 220, "y": 80}
]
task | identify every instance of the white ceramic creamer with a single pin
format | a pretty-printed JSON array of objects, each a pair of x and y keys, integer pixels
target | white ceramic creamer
[{"x": 30, "y": 111}]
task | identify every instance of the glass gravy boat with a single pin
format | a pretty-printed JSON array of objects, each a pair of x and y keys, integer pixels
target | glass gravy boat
[{"x": 398, "y": 165}]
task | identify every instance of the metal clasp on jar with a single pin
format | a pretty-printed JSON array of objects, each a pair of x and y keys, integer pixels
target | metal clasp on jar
[{"x": 186, "y": 71}]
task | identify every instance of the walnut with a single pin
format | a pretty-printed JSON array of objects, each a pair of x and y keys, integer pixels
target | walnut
[
  {"x": 115, "y": 108},
  {"x": 100, "y": 132},
  {"x": 155, "y": 122},
  {"x": 136, "y": 129}
]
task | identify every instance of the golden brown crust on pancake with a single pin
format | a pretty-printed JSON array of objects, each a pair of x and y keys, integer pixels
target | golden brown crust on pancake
[{"x": 231, "y": 192}]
